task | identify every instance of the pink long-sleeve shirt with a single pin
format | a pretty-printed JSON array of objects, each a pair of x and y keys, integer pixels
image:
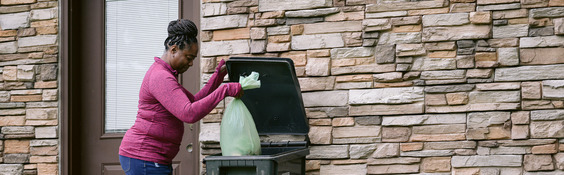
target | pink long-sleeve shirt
[{"x": 164, "y": 105}]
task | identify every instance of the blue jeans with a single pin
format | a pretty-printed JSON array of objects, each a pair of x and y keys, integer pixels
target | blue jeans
[{"x": 133, "y": 166}]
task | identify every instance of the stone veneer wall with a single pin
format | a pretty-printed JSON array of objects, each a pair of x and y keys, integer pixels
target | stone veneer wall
[
  {"x": 28, "y": 87},
  {"x": 409, "y": 86}
]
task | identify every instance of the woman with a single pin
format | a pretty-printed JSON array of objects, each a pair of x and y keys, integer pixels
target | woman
[{"x": 149, "y": 146}]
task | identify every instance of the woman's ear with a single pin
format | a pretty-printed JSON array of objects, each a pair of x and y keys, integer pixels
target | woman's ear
[{"x": 173, "y": 49}]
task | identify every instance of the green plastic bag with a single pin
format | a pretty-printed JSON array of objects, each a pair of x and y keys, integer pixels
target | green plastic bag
[{"x": 238, "y": 135}]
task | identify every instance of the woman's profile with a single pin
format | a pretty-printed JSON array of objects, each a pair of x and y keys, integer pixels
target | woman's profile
[{"x": 149, "y": 146}]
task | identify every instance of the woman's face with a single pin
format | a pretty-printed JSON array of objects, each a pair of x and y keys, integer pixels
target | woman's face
[{"x": 182, "y": 59}]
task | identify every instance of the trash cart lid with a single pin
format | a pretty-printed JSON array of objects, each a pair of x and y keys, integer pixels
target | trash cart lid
[{"x": 277, "y": 106}]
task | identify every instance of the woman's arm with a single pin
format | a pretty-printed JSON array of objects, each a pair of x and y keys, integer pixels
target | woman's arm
[
  {"x": 170, "y": 94},
  {"x": 214, "y": 82}
]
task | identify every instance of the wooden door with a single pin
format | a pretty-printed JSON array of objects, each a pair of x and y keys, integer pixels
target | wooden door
[{"x": 87, "y": 148}]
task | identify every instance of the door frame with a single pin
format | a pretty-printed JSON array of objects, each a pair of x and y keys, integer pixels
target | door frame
[{"x": 67, "y": 139}]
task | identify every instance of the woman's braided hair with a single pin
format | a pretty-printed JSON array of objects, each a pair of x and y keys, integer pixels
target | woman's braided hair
[{"x": 181, "y": 32}]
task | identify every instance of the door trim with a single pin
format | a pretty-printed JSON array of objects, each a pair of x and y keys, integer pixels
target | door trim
[
  {"x": 191, "y": 81},
  {"x": 64, "y": 51}
]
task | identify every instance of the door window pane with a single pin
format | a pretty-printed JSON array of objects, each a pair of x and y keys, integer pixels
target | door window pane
[{"x": 135, "y": 32}]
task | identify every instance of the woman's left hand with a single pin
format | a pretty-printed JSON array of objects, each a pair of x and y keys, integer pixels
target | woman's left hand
[{"x": 221, "y": 68}]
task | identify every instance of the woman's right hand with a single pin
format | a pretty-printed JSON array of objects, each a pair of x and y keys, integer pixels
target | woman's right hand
[{"x": 234, "y": 90}]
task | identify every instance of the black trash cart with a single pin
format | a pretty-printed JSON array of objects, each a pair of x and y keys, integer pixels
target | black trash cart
[{"x": 278, "y": 111}]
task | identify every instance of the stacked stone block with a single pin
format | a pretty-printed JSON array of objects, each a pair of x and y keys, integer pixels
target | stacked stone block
[
  {"x": 29, "y": 87},
  {"x": 413, "y": 87}
]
